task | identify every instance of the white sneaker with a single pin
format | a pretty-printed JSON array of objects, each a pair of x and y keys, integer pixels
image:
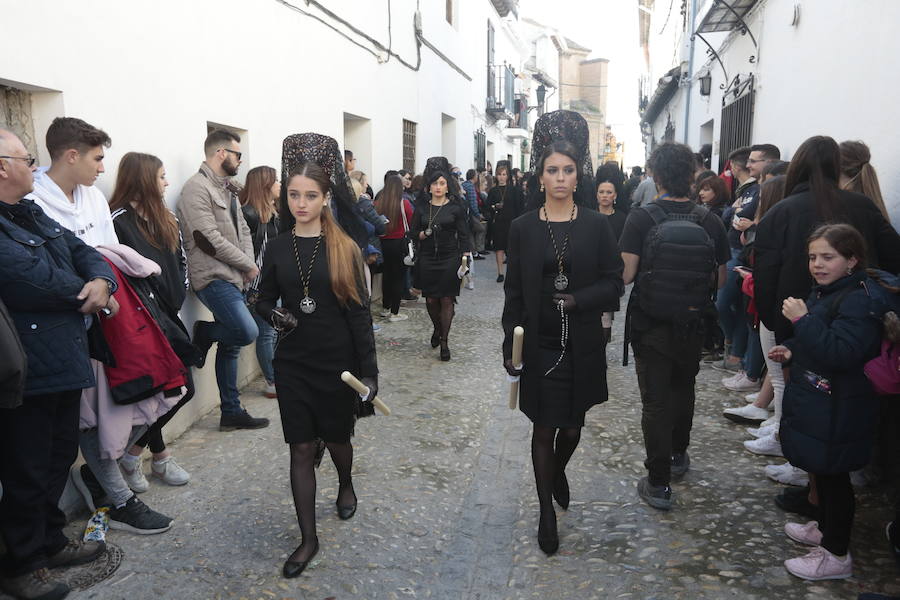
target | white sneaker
[
  {"x": 169, "y": 471},
  {"x": 763, "y": 430},
  {"x": 135, "y": 479},
  {"x": 746, "y": 414},
  {"x": 751, "y": 398},
  {"x": 270, "y": 392},
  {"x": 732, "y": 378},
  {"x": 385, "y": 314},
  {"x": 787, "y": 474},
  {"x": 470, "y": 283},
  {"x": 743, "y": 384},
  {"x": 773, "y": 420},
  {"x": 398, "y": 317},
  {"x": 765, "y": 446}
]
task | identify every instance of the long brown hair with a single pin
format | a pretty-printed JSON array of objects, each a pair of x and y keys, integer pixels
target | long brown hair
[
  {"x": 771, "y": 192},
  {"x": 855, "y": 166},
  {"x": 137, "y": 188},
  {"x": 345, "y": 267},
  {"x": 390, "y": 199},
  {"x": 257, "y": 192},
  {"x": 718, "y": 187},
  {"x": 817, "y": 163}
]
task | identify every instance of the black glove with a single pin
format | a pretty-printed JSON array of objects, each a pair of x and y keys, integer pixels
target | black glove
[
  {"x": 365, "y": 408},
  {"x": 283, "y": 320},
  {"x": 511, "y": 368},
  {"x": 568, "y": 301}
]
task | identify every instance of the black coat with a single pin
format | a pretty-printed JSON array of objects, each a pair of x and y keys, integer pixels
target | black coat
[
  {"x": 596, "y": 284},
  {"x": 832, "y": 433},
  {"x": 12, "y": 362},
  {"x": 782, "y": 268},
  {"x": 43, "y": 269}
]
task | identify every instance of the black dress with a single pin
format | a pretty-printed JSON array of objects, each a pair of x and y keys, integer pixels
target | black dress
[
  {"x": 556, "y": 406},
  {"x": 507, "y": 203},
  {"x": 440, "y": 254},
  {"x": 595, "y": 281},
  {"x": 313, "y": 401}
]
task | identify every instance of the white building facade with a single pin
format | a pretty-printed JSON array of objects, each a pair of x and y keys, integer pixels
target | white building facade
[
  {"x": 772, "y": 71},
  {"x": 394, "y": 87}
]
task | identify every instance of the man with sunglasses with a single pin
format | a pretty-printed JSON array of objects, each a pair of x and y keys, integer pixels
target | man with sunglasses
[
  {"x": 49, "y": 281},
  {"x": 66, "y": 190},
  {"x": 220, "y": 261}
]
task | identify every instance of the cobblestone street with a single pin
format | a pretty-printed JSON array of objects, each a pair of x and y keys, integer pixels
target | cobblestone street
[{"x": 447, "y": 507}]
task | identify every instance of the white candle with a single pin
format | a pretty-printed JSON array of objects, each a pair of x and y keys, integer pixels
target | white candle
[
  {"x": 363, "y": 390},
  {"x": 518, "y": 341}
]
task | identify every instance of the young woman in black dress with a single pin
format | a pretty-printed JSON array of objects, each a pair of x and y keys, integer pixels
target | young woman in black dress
[
  {"x": 505, "y": 199},
  {"x": 440, "y": 224},
  {"x": 564, "y": 271},
  {"x": 325, "y": 328}
]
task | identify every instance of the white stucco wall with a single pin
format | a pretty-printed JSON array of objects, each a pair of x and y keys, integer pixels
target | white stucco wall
[{"x": 829, "y": 75}]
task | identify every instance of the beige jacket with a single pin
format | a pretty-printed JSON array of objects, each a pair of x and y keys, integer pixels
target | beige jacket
[{"x": 215, "y": 248}]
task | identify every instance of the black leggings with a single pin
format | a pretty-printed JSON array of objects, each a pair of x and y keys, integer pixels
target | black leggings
[
  {"x": 153, "y": 436},
  {"x": 836, "y": 509},
  {"x": 392, "y": 274}
]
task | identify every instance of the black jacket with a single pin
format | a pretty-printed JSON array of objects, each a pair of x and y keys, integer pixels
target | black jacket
[
  {"x": 596, "y": 284},
  {"x": 13, "y": 363},
  {"x": 43, "y": 269},
  {"x": 832, "y": 432},
  {"x": 782, "y": 268}
]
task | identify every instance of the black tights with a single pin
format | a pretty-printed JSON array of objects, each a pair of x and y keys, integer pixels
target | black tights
[
  {"x": 549, "y": 461},
  {"x": 303, "y": 487},
  {"x": 441, "y": 311}
]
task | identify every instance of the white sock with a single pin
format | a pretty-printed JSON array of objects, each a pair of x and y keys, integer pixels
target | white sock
[{"x": 130, "y": 461}]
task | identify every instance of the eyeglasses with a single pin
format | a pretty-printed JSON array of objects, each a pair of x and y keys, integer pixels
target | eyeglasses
[
  {"x": 235, "y": 152},
  {"x": 29, "y": 160}
]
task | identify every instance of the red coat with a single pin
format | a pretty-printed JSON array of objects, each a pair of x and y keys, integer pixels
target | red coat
[{"x": 145, "y": 363}]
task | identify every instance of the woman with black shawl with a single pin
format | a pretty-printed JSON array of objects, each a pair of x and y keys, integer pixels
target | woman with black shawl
[{"x": 440, "y": 226}]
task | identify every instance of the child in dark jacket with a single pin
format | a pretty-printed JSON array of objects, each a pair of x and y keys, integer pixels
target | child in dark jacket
[{"x": 830, "y": 411}]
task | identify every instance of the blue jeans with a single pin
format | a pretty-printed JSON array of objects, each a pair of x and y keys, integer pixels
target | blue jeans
[
  {"x": 233, "y": 328},
  {"x": 731, "y": 314},
  {"x": 265, "y": 347}
]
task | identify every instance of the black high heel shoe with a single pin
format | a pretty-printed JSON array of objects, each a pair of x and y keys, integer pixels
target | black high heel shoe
[
  {"x": 561, "y": 490},
  {"x": 435, "y": 339},
  {"x": 293, "y": 568},
  {"x": 445, "y": 351},
  {"x": 548, "y": 537},
  {"x": 346, "y": 512}
]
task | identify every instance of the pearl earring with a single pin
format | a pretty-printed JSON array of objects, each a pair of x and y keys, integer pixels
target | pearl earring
[{"x": 542, "y": 187}]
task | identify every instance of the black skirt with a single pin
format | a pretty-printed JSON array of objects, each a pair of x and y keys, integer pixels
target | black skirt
[{"x": 556, "y": 407}]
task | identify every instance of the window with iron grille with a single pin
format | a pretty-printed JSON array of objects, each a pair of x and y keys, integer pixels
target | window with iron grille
[
  {"x": 737, "y": 126},
  {"x": 480, "y": 148},
  {"x": 409, "y": 146}
]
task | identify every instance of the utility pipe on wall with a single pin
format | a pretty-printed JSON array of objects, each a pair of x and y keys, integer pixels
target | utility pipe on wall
[{"x": 690, "y": 73}]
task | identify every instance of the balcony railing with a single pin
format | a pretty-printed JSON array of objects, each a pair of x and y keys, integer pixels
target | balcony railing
[{"x": 501, "y": 98}]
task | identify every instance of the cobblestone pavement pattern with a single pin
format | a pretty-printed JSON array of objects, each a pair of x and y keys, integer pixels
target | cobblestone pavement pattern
[{"x": 447, "y": 507}]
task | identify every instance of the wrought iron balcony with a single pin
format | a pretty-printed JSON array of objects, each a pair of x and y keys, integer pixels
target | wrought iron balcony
[{"x": 501, "y": 97}]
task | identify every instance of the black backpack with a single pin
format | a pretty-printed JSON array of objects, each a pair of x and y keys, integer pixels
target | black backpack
[{"x": 678, "y": 265}]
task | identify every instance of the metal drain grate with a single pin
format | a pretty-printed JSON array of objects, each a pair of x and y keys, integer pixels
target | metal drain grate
[{"x": 83, "y": 577}]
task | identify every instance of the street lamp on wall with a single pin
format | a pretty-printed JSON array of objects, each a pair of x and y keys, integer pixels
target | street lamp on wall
[{"x": 705, "y": 84}]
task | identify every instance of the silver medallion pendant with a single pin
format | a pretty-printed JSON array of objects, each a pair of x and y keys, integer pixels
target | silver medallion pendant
[
  {"x": 561, "y": 282},
  {"x": 307, "y": 305},
  {"x": 428, "y": 232}
]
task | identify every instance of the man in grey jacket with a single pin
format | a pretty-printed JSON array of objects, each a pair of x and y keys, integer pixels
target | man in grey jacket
[{"x": 220, "y": 264}]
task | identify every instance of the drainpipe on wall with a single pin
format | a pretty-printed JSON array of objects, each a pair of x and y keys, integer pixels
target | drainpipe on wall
[{"x": 690, "y": 73}]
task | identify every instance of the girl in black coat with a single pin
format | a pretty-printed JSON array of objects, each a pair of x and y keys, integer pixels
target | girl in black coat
[
  {"x": 507, "y": 203},
  {"x": 829, "y": 410},
  {"x": 564, "y": 271}
]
